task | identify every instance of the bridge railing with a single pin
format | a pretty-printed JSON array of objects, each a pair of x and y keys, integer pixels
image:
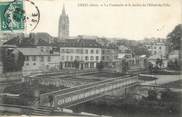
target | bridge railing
[
  {"x": 91, "y": 91},
  {"x": 44, "y": 98}
]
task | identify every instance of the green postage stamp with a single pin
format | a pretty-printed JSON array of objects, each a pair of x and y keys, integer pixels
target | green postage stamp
[{"x": 12, "y": 15}]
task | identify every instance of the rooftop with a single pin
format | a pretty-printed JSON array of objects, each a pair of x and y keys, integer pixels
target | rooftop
[{"x": 35, "y": 51}]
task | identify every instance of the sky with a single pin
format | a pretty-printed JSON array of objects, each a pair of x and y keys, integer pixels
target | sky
[{"x": 131, "y": 22}]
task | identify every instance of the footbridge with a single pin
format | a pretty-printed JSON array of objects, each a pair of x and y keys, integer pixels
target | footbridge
[{"x": 83, "y": 93}]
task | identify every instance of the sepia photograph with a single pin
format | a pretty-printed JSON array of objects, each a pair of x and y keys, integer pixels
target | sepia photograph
[{"x": 91, "y": 58}]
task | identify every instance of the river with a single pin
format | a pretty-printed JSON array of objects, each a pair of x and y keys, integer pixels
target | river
[{"x": 102, "y": 109}]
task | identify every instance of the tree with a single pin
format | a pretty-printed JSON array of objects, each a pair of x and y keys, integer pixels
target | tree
[
  {"x": 125, "y": 66},
  {"x": 174, "y": 65},
  {"x": 12, "y": 59},
  {"x": 139, "y": 49},
  {"x": 152, "y": 95},
  {"x": 100, "y": 66},
  {"x": 150, "y": 67},
  {"x": 76, "y": 64},
  {"x": 174, "y": 38},
  {"x": 159, "y": 62}
]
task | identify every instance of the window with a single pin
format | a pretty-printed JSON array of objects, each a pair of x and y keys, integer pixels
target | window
[
  {"x": 115, "y": 57},
  {"x": 86, "y": 65},
  {"x": 33, "y": 58},
  {"x": 27, "y": 64},
  {"x": 86, "y": 57},
  {"x": 62, "y": 50},
  {"x": 154, "y": 47},
  {"x": 91, "y": 58},
  {"x": 71, "y": 51},
  {"x": 103, "y": 51},
  {"x": 41, "y": 58},
  {"x": 91, "y": 65},
  {"x": 26, "y": 58},
  {"x": 81, "y": 51},
  {"x": 108, "y": 51},
  {"x": 34, "y": 63},
  {"x": 71, "y": 58},
  {"x": 67, "y": 50},
  {"x": 86, "y": 51},
  {"x": 91, "y": 51},
  {"x": 42, "y": 49},
  {"x": 97, "y": 58},
  {"x": 160, "y": 48},
  {"x": 107, "y": 57},
  {"x": 49, "y": 58},
  {"x": 128, "y": 56},
  {"x": 77, "y": 57},
  {"x": 47, "y": 49},
  {"x": 97, "y": 51},
  {"x": 62, "y": 57},
  {"x": 103, "y": 57},
  {"x": 67, "y": 58},
  {"x": 77, "y": 50},
  {"x": 155, "y": 52}
]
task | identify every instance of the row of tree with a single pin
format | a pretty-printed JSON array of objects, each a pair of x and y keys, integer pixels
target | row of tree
[{"x": 12, "y": 60}]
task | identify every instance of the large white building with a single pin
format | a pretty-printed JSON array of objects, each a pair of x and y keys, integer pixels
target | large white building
[
  {"x": 86, "y": 52},
  {"x": 156, "y": 47}
]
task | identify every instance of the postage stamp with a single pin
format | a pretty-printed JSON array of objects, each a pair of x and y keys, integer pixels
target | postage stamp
[{"x": 14, "y": 16}]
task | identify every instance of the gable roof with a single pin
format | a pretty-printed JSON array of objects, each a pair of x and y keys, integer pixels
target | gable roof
[
  {"x": 27, "y": 42},
  {"x": 88, "y": 43}
]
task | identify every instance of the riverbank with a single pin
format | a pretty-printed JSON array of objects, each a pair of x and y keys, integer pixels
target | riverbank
[{"x": 129, "y": 108}]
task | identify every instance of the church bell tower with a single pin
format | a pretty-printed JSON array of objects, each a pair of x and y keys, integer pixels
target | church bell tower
[{"x": 63, "y": 29}]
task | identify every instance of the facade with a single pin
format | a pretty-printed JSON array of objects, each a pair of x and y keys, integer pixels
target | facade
[
  {"x": 125, "y": 52},
  {"x": 63, "y": 29},
  {"x": 109, "y": 56},
  {"x": 39, "y": 59},
  {"x": 156, "y": 47},
  {"x": 86, "y": 52},
  {"x": 39, "y": 55}
]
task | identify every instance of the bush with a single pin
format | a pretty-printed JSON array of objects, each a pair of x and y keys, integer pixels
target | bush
[{"x": 173, "y": 65}]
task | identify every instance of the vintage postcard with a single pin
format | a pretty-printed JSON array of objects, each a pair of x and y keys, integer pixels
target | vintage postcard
[{"x": 93, "y": 58}]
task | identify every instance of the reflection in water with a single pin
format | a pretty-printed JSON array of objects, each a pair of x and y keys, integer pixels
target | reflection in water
[{"x": 103, "y": 109}]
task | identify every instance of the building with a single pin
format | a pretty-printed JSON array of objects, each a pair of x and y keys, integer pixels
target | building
[
  {"x": 40, "y": 56},
  {"x": 152, "y": 59},
  {"x": 63, "y": 29},
  {"x": 39, "y": 60},
  {"x": 85, "y": 51},
  {"x": 156, "y": 47},
  {"x": 109, "y": 55},
  {"x": 125, "y": 52},
  {"x": 5, "y": 36}
]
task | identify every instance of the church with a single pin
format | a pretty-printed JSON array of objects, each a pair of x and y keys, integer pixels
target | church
[{"x": 63, "y": 29}]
